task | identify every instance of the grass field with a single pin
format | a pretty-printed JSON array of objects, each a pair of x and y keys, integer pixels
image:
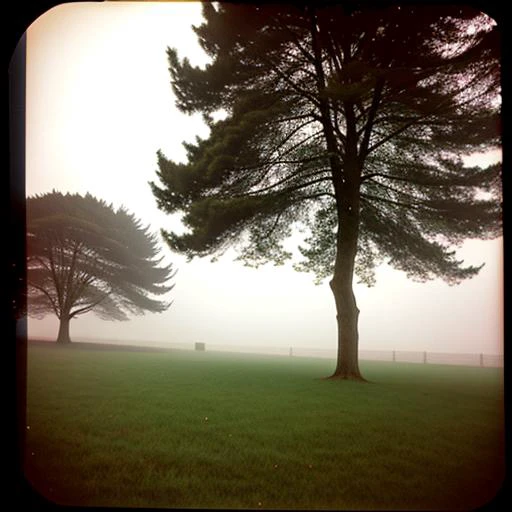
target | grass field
[{"x": 203, "y": 430}]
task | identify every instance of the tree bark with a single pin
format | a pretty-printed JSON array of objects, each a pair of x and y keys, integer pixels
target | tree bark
[
  {"x": 347, "y": 365},
  {"x": 347, "y": 312},
  {"x": 63, "y": 336}
]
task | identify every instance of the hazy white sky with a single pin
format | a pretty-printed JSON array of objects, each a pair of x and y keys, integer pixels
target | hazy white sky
[{"x": 99, "y": 106}]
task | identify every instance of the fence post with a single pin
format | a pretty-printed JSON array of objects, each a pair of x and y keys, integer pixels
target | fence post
[
  {"x": 394, "y": 356},
  {"x": 425, "y": 357},
  {"x": 291, "y": 351},
  {"x": 482, "y": 360}
]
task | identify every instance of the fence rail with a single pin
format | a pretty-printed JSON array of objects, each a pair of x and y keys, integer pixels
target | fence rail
[{"x": 398, "y": 356}]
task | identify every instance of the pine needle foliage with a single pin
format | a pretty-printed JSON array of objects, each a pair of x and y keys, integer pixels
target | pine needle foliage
[{"x": 417, "y": 88}]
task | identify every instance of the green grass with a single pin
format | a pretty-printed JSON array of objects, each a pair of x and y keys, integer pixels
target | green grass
[{"x": 129, "y": 429}]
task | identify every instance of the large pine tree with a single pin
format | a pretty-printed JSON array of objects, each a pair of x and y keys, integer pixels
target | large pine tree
[
  {"x": 82, "y": 255},
  {"x": 351, "y": 122}
]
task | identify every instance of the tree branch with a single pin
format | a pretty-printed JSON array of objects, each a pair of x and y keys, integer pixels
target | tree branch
[
  {"x": 288, "y": 178},
  {"x": 290, "y": 135},
  {"x": 426, "y": 182},
  {"x": 293, "y": 85},
  {"x": 271, "y": 230},
  {"x": 417, "y": 120},
  {"x": 300, "y": 143},
  {"x": 295, "y": 37},
  {"x": 377, "y": 95},
  {"x": 365, "y": 177},
  {"x": 288, "y": 189},
  {"x": 56, "y": 280},
  {"x": 50, "y": 298},
  {"x": 71, "y": 271},
  {"x": 337, "y": 128},
  {"x": 414, "y": 206},
  {"x": 388, "y": 187},
  {"x": 87, "y": 308},
  {"x": 316, "y": 196},
  {"x": 294, "y": 118}
]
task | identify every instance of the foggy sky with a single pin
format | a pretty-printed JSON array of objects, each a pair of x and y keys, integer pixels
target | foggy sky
[{"x": 99, "y": 106}]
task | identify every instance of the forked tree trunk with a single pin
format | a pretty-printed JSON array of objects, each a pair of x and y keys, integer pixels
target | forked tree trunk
[{"x": 63, "y": 336}]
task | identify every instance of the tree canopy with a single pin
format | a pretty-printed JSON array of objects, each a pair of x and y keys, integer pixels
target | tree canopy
[
  {"x": 82, "y": 255},
  {"x": 350, "y": 122}
]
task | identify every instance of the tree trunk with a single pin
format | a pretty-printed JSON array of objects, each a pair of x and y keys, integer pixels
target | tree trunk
[
  {"x": 347, "y": 313},
  {"x": 63, "y": 336},
  {"x": 346, "y": 174},
  {"x": 347, "y": 363}
]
